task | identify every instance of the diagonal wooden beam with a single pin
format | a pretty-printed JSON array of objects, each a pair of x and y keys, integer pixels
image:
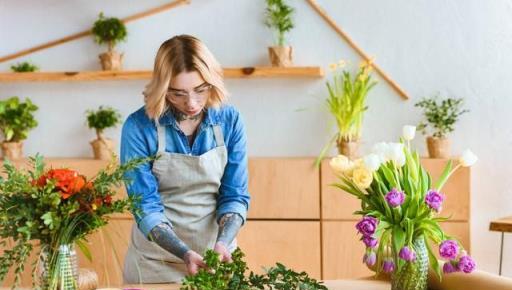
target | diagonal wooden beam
[
  {"x": 88, "y": 32},
  {"x": 356, "y": 47}
]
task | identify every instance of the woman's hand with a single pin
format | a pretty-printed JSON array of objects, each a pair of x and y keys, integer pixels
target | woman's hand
[
  {"x": 222, "y": 250},
  {"x": 194, "y": 262}
]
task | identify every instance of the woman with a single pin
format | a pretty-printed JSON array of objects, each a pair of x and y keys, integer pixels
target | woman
[{"x": 194, "y": 197}]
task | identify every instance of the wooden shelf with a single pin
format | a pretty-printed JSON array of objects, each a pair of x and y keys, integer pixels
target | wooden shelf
[{"x": 244, "y": 72}]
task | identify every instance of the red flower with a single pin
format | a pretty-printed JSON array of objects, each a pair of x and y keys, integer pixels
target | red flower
[
  {"x": 67, "y": 181},
  {"x": 108, "y": 200}
]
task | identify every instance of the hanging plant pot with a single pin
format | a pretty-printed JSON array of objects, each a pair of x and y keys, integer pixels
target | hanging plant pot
[
  {"x": 439, "y": 147},
  {"x": 103, "y": 148},
  {"x": 111, "y": 60},
  {"x": 281, "y": 56},
  {"x": 12, "y": 150},
  {"x": 348, "y": 148}
]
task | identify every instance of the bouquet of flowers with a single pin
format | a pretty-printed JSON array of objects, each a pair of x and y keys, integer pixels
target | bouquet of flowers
[
  {"x": 56, "y": 208},
  {"x": 399, "y": 208}
]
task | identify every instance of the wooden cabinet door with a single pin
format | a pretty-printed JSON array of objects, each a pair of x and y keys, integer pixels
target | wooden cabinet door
[
  {"x": 296, "y": 244},
  {"x": 284, "y": 188}
]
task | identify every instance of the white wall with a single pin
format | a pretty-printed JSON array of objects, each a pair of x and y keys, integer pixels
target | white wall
[{"x": 460, "y": 48}]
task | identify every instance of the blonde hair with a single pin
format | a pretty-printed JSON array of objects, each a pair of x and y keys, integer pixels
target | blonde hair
[{"x": 182, "y": 53}]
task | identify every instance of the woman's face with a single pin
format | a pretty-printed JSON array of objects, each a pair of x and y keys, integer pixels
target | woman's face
[{"x": 189, "y": 93}]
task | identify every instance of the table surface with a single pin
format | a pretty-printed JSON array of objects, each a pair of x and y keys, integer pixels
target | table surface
[
  {"x": 332, "y": 284},
  {"x": 502, "y": 225}
]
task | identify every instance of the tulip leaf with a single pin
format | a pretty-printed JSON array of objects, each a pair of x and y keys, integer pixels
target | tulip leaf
[{"x": 444, "y": 176}]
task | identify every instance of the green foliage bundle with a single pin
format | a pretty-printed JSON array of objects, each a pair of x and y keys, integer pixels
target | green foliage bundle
[{"x": 231, "y": 276}]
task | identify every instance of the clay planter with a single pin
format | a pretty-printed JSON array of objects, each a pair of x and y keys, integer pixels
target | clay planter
[
  {"x": 438, "y": 147},
  {"x": 281, "y": 56},
  {"x": 12, "y": 150},
  {"x": 102, "y": 148},
  {"x": 348, "y": 149},
  {"x": 111, "y": 60}
]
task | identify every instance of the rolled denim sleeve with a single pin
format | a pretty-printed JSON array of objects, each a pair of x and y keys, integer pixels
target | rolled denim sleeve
[
  {"x": 141, "y": 182},
  {"x": 233, "y": 194}
]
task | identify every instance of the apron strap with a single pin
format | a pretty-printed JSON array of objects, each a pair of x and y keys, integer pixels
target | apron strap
[
  {"x": 161, "y": 137},
  {"x": 219, "y": 137}
]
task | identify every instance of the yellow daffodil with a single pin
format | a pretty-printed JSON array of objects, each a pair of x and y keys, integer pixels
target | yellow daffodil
[
  {"x": 333, "y": 66},
  {"x": 342, "y": 63}
]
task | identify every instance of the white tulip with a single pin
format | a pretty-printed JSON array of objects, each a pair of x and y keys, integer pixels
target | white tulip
[
  {"x": 372, "y": 162},
  {"x": 468, "y": 158},
  {"x": 396, "y": 153},
  {"x": 381, "y": 149},
  {"x": 409, "y": 132}
]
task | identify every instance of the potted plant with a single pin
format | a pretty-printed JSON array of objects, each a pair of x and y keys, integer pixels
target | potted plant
[
  {"x": 110, "y": 31},
  {"x": 100, "y": 120},
  {"x": 24, "y": 67},
  {"x": 440, "y": 117},
  {"x": 279, "y": 18},
  {"x": 400, "y": 206},
  {"x": 16, "y": 119},
  {"x": 347, "y": 104}
]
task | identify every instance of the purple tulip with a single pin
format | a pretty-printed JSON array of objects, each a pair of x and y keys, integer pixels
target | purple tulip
[
  {"x": 370, "y": 242},
  {"x": 370, "y": 259},
  {"x": 448, "y": 268},
  {"x": 407, "y": 254},
  {"x": 467, "y": 264},
  {"x": 367, "y": 226},
  {"x": 388, "y": 266},
  {"x": 395, "y": 198},
  {"x": 449, "y": 249},
  {"x": 434, "y": 200}
]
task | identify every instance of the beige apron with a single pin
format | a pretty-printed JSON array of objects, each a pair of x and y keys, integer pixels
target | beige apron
[{"x": 188, "y": 187}]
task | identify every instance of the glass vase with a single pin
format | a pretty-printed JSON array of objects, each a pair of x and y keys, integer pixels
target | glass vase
[{"x": 413, "y": 275}]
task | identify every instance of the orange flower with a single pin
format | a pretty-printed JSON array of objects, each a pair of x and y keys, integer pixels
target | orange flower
[{"x": 68, "y": 181}]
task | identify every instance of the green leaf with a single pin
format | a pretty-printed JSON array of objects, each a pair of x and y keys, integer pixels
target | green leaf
[
  {"x": 433, "y": 260},
  {"x": 444, "y": 176},
  {"x": 84, "y": 248}
]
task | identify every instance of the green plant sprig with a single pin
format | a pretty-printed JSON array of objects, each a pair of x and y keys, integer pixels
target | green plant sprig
[
  {"x": 24, "y": 67},
  {"x": 278, "y": 17},
  {"x": 101, "y": 119},
  {"x": 440, "y": 116},
  {"x": 16, "y": 119},
  {"x": 109, "y": 30}
]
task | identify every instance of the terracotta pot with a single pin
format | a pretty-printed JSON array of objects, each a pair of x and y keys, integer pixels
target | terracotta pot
[
  {"x": 111, "y": 60},
  {"x": 103, "y": 148},
  {"x": 12, "y": 150},
  {"x": 349, "y": 149},
  {"x": 281, "y": 56},
  {"x": 439, "y": 147}
]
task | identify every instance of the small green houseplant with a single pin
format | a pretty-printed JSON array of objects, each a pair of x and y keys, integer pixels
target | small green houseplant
[
  {"x": 278, "y": 17},
  {"x": 99, "y": 120},
  {"x": 16, "y": 120},
  {"x": 24, "y": 67},
  {"x": 347, "y": 104},
  {"x": 440, "y": 116},
  {"x": 110, "y": 31}
]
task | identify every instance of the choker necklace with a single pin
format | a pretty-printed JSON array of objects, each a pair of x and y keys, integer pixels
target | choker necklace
[{"x": 179, "y": 116}]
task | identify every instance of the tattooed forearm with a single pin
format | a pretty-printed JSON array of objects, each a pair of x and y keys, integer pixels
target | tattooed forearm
[
  {"x": 165, "y": 237},
  {"x": 229, "y": 225}
]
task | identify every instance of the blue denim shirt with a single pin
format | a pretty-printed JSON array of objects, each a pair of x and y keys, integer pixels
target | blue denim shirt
[{"x": 139, "y": 138}]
